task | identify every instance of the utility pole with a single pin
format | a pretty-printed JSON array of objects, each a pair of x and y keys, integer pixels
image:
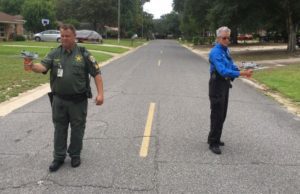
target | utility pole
[
  {"x": 119, "y": 13},
  {"x": 142, "y": 21}
]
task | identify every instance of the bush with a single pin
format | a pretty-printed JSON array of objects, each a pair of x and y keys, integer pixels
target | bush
[
  {"x": 211, "y": 39},
  {"x": 19, "y": 38},
  {"x": 129, "y": 34},
  {"x": 111, "y": 34},
  {"x": 196, "y": 40},
  {"x": 199, "y": 40},
  {"x": 74, "y": 22}
]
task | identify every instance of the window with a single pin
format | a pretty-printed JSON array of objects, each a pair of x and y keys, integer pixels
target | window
[{"x": 2, "y": 30}]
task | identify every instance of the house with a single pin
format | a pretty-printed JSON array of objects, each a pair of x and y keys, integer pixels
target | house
[{"x": 10, "y": 26}]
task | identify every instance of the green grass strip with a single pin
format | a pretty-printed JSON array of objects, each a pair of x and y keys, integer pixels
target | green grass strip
[{"x": 285, "y": 80}]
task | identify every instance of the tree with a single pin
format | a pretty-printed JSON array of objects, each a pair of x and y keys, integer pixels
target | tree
[
  {"x": 168, "y": 24},
  {"x": 34, "y": 11},
  {"x": 131, "y": 17},
  {"x": 160, "y": 29},
  {"x": 192, "y": 14},
  {"x": 178, "y": 5},
  {"x": 12, "y": 7},
  {"x": 148, "y": 25},
  {"x": 242, "y": 16},
  {"x": 172, "y": 22},
  {"x": 98, "y": 13},
  {"x": 285, "y": 17},
  {"x": 67, "y": 11},
  {"x": 291, "y": 9},
  {"x": 239, "y": 15}
]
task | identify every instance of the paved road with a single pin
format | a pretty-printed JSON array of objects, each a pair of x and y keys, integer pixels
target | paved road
[{"x": 161, "y": 89}]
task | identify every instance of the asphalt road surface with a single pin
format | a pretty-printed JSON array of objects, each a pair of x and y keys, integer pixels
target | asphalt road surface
[{"x": 150, "y": 135}]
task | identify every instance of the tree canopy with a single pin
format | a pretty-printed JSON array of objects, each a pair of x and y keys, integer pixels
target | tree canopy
[
  {"x": 190, "y": 17},
  {"x": 242, "y": 16},
  {"x": 12, "y": 7},
  {"x": 35, "y": 10},
  {"x": 91, "y": 14}
]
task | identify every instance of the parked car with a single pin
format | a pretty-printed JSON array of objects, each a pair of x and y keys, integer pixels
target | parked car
[
  {"x": 48, "y": 35},
  {"x": 88, "y": 36},
  {"x": 245, "y": 37}
]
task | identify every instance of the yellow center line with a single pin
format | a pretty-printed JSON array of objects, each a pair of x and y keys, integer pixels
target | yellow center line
[
  {"x": 159, "y": 61},
  {"x": 147, "y": 132}
]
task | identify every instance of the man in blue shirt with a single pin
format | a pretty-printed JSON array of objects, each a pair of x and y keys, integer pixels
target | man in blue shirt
[{"x": 222, "y": 71}]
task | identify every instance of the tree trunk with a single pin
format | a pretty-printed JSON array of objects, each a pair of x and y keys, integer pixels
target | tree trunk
[
  {"x": 291, "y": 38},
  {"x": 234, "y": 35},
  {"x": 291, "y": 32}
]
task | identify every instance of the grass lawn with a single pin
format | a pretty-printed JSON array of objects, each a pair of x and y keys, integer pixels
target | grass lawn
[
  {"x": 13, "y": 78},
  {"x": 284, "y": 80},
  {"x": 263, "y": 55}
]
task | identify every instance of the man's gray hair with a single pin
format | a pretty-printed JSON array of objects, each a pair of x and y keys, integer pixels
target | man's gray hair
[{"x": 223, "y": 29}]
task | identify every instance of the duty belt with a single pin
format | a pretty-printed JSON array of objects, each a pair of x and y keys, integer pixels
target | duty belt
[
  {"x": 215, "y": 74},
  {"x": 73, "y": 97}
]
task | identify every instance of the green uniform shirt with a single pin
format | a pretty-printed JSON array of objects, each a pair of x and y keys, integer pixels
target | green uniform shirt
[{"x": 69, "y": 71}]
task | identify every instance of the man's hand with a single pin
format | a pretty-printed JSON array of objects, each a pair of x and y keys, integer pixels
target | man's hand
[
  {"x": 247, "y": 73},
  {"x": 99, "y": 85},
  {"x": 99, "y": 100},
  {"x": 27, "y": 64}
]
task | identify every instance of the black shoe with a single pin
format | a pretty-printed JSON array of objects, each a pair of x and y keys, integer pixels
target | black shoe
[
  {"x": 75, "y": 162},
  {"x": 220, "y": 143},
  {"x": 55, "y": 165},
  {"x": 215, "y": 148}
]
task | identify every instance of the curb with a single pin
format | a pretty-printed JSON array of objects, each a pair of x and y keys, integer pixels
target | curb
[{"x": 23, "y": 99}]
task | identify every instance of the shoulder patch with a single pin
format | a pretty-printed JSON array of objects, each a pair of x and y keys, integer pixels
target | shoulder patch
[
  {"x": 92, "y": 59},
  {"x": 97, "y": 66}
]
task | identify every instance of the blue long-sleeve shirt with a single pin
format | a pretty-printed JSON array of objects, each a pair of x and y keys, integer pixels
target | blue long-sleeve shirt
[{"x": 220, "y": 61}]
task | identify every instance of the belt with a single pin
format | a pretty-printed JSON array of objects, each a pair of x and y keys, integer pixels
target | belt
[
  {"x": 72, "y": 97},
  {"x": 215, "y": 74}
]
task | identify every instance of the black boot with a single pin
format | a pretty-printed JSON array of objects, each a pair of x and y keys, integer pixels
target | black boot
[
  {"x": 75, "y": 161},
  {"x": 220, "y": 143},
  {"x": 215, "y": 148},
  {"x": 55, "y": 165}
]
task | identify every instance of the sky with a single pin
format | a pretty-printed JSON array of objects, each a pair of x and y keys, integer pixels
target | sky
[{"x": 158, "y": 7}]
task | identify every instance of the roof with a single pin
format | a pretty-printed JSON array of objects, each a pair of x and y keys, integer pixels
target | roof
[{"x": 6, "y": 18}]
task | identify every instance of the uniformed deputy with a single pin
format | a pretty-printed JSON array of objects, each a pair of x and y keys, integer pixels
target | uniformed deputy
[
  {"x": 70, "y": 67},
  {"x": 222, "y": 71}
]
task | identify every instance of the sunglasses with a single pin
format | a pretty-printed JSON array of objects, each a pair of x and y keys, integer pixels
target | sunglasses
[{"x": 225, "y": 38}]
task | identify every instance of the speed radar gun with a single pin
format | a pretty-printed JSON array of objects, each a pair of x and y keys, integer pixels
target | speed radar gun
[
  {"x": 249, "y": 65},
  {"x": 28, "y": 58}
]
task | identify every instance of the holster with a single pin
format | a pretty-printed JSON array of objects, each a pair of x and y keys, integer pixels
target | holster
[
  {"x": 217, "y": 76},
  {"x": 50, "y": 95}
]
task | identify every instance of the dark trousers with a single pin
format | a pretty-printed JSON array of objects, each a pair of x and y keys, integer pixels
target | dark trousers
[
  {"x": 65, "y": 113},
  {"x": 218, "y": 96}
]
